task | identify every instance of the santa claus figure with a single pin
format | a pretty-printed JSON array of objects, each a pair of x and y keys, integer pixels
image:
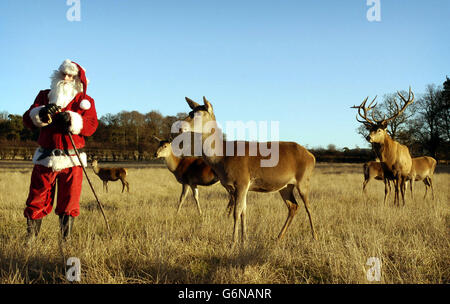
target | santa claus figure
[{"x": 63, "y": 108}]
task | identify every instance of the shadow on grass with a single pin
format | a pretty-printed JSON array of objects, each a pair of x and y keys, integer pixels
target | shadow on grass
[
  {"x": 29, "y": 267},
  {"x": 202, "y": 269}
]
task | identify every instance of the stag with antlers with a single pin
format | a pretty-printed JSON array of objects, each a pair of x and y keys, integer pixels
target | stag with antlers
[{"x": 395, "y": 155}]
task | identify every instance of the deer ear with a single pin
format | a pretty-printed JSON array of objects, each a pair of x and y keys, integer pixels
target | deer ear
[
  {"x": 208, "y": 105},
  {"x": 384, "y": 124},
  {"x": 192, "y": 104}
]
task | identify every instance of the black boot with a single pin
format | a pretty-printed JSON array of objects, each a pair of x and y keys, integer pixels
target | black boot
[
  {"x": 33, "y": 228},
  {"x": 66, "y": 223}
]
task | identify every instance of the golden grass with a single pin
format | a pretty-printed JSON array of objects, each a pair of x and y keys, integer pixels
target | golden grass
[{"x": 151, "y": 244}]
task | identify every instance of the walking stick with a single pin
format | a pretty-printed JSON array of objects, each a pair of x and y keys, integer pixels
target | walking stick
[{"x": 89, "y": 181}]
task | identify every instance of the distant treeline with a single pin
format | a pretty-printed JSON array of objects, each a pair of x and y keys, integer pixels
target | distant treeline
[
  {"x": 127, "y": 136},
  {"x": 122, "y": 136}
]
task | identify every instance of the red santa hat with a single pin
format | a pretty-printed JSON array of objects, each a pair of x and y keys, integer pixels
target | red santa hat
[{"x": 72, "y": 68}]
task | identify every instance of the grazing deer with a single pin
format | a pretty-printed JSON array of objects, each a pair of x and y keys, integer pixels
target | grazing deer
[
  {"x": 395, "y": 155},
  {"x": 244, "y": 172},
  {"x": 111, "y": 174},
  {"x": 422, "y": 169},
  {"x": 377, "y": 170},
  {"x": 189, "y": 171}
]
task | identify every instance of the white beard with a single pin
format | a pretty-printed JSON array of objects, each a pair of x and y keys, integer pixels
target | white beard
[{"x": 62, "y": 93}]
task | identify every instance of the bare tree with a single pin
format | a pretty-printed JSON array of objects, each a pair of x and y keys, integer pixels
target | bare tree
[{"x": 428, "y": 127}]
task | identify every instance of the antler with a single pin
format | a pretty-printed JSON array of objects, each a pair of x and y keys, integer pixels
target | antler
[
  {"x": 383, "y": 121},
  {"x": 156, "y": 138},
  {"x": 405, "y": 104},
  {"x": 366, "y": 109}
]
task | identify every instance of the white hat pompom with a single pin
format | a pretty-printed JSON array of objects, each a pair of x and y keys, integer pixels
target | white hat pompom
[
  {"x": 85, "y": 104},
  {"x": 68, "y": 67}
]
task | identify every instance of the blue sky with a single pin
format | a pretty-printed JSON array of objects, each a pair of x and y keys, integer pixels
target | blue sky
[{"x": 302, "y": 63}]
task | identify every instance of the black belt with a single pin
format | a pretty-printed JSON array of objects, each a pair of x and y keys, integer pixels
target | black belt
[{"x": 57, "y": 152}]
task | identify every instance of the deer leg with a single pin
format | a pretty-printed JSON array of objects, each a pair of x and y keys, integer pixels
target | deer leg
[
  {"x": 244, "y": 222},
  {"x": 387, "y": 189},
  {"x": 366, "y": 181},
  {"x": 288, "y": 196},
  {"x": 396, "y": 191},
  {"x": 411, "y": 187},
  {"x": 123, "y": 185},
  {"x": 364, "y": 186},
  {"x": 239, "y": 214},
  {"x": 403, "y": 188},
  {"x": 105, "y": 186},
  {"x": 431, "y": 185},
  {"x": 230, "y": 205},
  {"x": 184, "y": 191},
  {"x": 426, "y": 187},
  {"x": 304, "y": 194},
  {"x": 231, "y": 202},
  {"x": 195, "y": 194},
  {"x": 428, "y": 182}
]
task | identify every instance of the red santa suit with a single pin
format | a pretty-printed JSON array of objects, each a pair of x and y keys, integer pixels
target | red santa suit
[{"x": 55, "y": 160}]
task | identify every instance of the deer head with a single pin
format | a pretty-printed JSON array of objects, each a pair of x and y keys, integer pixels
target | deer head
[
  {"x": 202, "y": 113},
  {"x": 377, "y": 128},
  {"x": 164, "y": 148}
]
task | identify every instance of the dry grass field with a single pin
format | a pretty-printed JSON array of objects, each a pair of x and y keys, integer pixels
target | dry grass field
[{"x": 151, "y": 244}]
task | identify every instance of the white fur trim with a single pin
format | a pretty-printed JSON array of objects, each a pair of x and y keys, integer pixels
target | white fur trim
[
  {"x": 34, "y": 115},
  {"x": 85, "y": 104},
  {"x": 68, "y": 67},
  {"x": 76, "y": 122},
  {"x": 58, "y": 163}
]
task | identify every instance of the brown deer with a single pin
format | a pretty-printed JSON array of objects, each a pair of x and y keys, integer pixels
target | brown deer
[
  {"x": 422, "y": 169},
  {"x": 189, "y": 171},
  {"x": 244, "y": 172},
  {"x": 395, "y": 155},
  {"x": 111, "y": 174},
  {"x": 377, "y": 170}
]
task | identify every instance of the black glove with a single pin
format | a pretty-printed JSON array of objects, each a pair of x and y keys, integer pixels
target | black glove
[
  {"x": 48, "y": 111},
  {"x": 62, "y": 120}
]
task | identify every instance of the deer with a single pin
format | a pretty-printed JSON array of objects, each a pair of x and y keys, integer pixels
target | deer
[
  {"x": 422, "y": 169},
  {"x": 111, "y": 174},
  {"x": 189, "y": 172},
  {"x": 396, "y": 156},
  {"x": 244, "y": 172},
  {"x": 378, "y": 171}
]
